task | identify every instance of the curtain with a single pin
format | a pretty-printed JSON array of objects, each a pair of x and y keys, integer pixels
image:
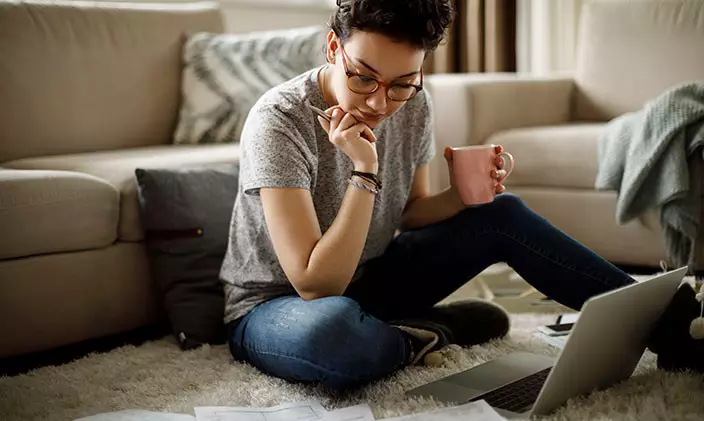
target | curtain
[
  {"x": 547, "y": 35},
  {"x": 481, "y": 39}
]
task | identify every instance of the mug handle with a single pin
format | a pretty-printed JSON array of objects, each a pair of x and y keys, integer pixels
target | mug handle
[{"x": 508, "y": 164}]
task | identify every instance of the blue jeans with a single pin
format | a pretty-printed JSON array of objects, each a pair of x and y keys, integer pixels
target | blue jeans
[{"x": 346, "y": 341}]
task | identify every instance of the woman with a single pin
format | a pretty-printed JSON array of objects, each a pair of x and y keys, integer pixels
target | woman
[{"x": 318, "y": 286}]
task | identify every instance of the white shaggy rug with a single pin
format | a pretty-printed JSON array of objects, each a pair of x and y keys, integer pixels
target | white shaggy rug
[{"x": 158, "y": 376}]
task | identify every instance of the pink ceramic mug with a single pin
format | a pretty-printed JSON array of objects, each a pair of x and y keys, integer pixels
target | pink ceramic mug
[{"x": 472, "y": 168}]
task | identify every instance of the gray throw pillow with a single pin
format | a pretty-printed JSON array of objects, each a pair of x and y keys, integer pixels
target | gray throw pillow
[
  {"x": 225, "y": 74},
  {"x": 186, "y": 215}
]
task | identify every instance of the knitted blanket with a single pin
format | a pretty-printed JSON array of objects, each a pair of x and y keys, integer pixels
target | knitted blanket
[{"x": 652, "y": 158}]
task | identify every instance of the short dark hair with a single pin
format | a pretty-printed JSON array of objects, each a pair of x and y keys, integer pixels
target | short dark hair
[{"x": 421, "y": 23}]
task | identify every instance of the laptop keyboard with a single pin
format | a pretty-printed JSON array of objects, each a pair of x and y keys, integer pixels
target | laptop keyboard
[{"x": 519, "y": 395}]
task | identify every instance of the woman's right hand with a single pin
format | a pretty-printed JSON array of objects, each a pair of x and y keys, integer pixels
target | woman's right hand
[{"x": 354, "y": 139}]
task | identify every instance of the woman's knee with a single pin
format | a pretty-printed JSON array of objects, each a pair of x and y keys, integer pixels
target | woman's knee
[
  {"x": 352, "y": 338},
  {"x": 508, "y": 202},
  {"x": 505, "y": 206},
  {"x": 347, "y": 346},
  {"x": 306, "y": 324},
  {"x": 330, "y": 341}
]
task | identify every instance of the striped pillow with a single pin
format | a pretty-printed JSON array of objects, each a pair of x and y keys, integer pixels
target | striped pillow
[{"x": 225, "y": 74}]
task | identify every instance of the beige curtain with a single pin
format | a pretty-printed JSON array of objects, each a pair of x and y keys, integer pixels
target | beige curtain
[
  {"x": 547, "y": 35},
  {"x": 481, "y": 39}
]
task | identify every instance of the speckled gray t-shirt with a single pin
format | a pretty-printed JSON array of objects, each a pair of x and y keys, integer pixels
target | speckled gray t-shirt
[{"x": 283, "y": 145}]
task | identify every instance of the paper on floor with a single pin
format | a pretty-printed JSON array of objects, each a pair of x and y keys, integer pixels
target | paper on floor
[
  {"x": 353, "y": 413},
  {"x": 300, "y": 411},
  {"x": 473, "y": 411},
  {"x": 138, "y": 415},
  {"x": 556, "y": 341},
  {"x": 297, "y": 411}
]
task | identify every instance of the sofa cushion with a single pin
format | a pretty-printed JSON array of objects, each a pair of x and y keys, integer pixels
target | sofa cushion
[
  {"x": 82, "y": 76},
  {"x": 117, "y": 167},
  {"x": 186, "y": 215},
  {"x": 225, "y": 74},
  {"x": 53, "y": 211},
  {"x": 555, "y": 156},
  {"x": 631, "y": 51},
  {"x": 588, "y": 216}
]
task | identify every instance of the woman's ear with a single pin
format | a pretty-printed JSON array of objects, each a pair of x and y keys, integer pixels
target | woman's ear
[{"x": 333, "y": 44}]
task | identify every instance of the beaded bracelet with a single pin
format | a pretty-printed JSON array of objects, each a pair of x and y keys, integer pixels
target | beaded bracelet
[
  {"x": 368, "y": 182},
  {"x": 371, "y": 177},
  {"x": 364, "y": 186}
]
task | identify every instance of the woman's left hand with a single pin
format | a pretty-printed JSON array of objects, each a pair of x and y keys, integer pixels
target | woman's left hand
[{"x": 499, "y": 173}]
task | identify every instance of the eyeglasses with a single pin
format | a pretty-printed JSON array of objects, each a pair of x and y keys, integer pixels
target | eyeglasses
[{"x": 366, "y": 85}]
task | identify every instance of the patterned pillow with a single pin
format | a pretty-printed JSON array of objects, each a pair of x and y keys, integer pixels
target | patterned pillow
[{"x": 225, "y": 74}]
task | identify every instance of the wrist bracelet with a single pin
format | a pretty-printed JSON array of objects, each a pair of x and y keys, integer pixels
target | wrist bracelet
[
  {"x": 364, "y": 186},
  {"x": 366, "y": 182},
  {"x": 369, "y": 177}
]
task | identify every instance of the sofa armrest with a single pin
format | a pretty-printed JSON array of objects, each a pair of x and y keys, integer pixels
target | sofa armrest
[
  {"x": 469, "y": 108},
  {"x": 44, "y": 212}
]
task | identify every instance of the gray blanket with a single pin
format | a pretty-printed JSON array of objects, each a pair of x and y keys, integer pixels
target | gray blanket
[{"x": 653, "y": 159}]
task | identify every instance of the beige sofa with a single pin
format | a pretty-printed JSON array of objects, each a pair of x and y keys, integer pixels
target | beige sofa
[
  {"x": 90, "y": 91},
  {"x": 628, "y": 53}
]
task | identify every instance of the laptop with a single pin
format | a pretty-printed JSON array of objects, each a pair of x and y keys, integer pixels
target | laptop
[{"x": 604, "y": 348}]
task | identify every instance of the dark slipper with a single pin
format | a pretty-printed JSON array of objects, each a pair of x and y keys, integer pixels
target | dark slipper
[
  {"x": 465, "y": 323},
  {"x": 670, "y": 338},
  {"x": 471, "y": 322}
]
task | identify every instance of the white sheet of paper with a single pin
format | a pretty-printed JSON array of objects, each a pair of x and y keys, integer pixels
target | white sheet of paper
[
  {"x": 570, "y": 318},
  {"x": 556, "y": 341},
  {"x": 138, "y": 415},
  {"x": 353, "y": 413},
  {"x": 473, "y": 411},
  {"x": 296, "y": 411}
]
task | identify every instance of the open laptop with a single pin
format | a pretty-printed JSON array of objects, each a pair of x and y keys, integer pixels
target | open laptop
[{"x": 604, "y": 348}]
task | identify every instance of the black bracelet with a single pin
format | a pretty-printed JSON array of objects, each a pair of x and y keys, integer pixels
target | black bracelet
[{"x": 369, "y": 177}]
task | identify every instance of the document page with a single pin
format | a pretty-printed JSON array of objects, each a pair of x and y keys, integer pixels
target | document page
[{"x": 298, "y": 411}]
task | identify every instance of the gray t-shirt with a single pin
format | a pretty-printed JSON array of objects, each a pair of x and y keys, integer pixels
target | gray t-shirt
[{"x": 283, "y": 145}]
